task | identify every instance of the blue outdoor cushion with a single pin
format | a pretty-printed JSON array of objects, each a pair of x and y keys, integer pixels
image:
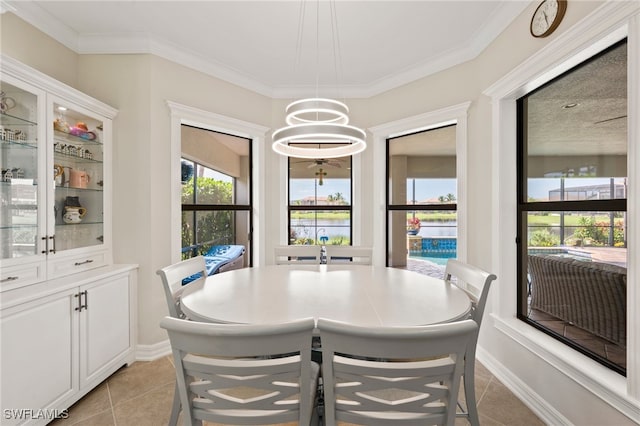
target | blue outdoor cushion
[{"x": 216, "y": 257}]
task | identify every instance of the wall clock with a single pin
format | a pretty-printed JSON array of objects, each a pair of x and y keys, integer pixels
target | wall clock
[{"x": 547, "y": 17}]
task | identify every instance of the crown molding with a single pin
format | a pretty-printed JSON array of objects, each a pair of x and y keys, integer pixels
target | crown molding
[
  {"x": 144, "y": 43},
  {"x": 45, "y": 22}
]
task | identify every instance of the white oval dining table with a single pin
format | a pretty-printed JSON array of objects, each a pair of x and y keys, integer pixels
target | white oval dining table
[{"x": 356, "y": 294}]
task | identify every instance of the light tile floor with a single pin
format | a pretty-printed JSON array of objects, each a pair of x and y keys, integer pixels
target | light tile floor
[{"x": 141, "y": 395}]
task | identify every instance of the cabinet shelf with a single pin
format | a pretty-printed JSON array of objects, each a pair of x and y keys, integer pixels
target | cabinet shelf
[
  {"x": 77, "y": 190},
  {"x": 12, "y": 120},
  {"x": 7, "y": 185},
  {"x": 23, "y": 206},
  {"x": 5, "y": 144},
  {"x": 83, "y": 223},
  {"x": 59, "y": 136},
  {"x": 75, "y": 158},
  {"x": 20, "y": 226}
]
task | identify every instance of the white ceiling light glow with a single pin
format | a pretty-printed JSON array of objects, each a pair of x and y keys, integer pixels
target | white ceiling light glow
[
  {"x": 318, "y": 127},
  {"x": 317, "y": 121}
]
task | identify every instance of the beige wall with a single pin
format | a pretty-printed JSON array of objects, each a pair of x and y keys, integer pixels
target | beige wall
[
  {"x": 139, "y": 85},
  {"x": 25, "y": 43}
]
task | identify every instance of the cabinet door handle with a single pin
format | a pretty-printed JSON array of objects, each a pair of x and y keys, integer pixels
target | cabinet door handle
[
  {"x": 86, "y": 299},
  {"x": 83, "y": 263},
  {"x": 9, "y": 279},
  {"x": 79, "y": 307},
  {"x": 46, "y": 245},
  {"x": 53, "y": 239}
]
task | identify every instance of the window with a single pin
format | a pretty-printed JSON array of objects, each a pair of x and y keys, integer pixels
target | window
[
  {"x": 216, "y": 191},
  {"x": 572, "y": 225},
  {"x": 320, "y": 208},
  {"x": 422, "y": 199}
]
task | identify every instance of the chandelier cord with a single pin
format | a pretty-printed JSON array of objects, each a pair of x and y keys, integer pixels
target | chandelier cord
[
  {"x": 337, "y": 57},
  {"x": 317, "y": 48},
  {"x": 298, "y": 55},
  {"x": 318, "y": 121}
]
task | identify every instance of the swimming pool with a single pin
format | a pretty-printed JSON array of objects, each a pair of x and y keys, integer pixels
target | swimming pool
[
  {"x": 437, "y": 258},
  {"x": 434, "y": 249}
]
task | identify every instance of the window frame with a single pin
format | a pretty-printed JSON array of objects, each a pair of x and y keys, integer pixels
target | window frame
[
  {"x": 255, "y": 133},
  {"x": 316, "y": 208},
  {"x": 234, "y": 207},
  {"x": 603, "y": 27},
  {"x": 415, "y": 207},
  {"x": 524, "y": 206}
]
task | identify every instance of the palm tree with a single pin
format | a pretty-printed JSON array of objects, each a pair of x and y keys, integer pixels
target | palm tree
[{"x": 338, "y": 198}]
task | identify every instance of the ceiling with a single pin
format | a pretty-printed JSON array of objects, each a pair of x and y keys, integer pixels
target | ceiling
[
  {"x": 380, "y": 45},
  {"x": 260, "y": 45}
]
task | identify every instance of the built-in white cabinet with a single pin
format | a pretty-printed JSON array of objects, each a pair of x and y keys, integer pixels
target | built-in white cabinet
[
  {"x": 55, "y": 178},
  {"x": 60, "y": 340},
  {"x": 67, "y": 313}
]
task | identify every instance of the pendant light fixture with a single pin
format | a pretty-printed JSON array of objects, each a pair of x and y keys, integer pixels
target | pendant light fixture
[{"x": 318, "y": 127}]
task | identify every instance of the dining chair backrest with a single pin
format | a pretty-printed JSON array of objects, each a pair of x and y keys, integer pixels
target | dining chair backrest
[
  {"x": 297, "y": 254},
  {"x": 172, "y": 277},
  {"x": 476, "y": 283},
  {"x": 352, "y": 255},
  {"x": 393, "y": 375},
  {"x": 473, "y": 281},
  {"x": 244, "y": 374}
]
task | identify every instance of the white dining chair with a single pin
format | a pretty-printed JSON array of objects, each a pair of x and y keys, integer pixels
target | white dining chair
[
  {"x": 173, "y": 277},
  {"x": 476, "y": 283},
  {"x": 244, "y": 374},
  {"x": 172, "y": 280},
  {"x": 353, "y": 255},
  {"x": 297, "y": 254},
  {"x": 393, "y": 375}
]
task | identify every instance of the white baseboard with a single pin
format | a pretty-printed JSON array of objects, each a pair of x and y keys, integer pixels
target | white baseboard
[
  {"x": 524, "y": 393},
  {"x": 154, "y": 351}
]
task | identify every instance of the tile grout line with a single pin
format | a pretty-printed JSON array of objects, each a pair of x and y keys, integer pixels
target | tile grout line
[
  {"x": 113, "y": 410},
  {"x": 486, "y": 389}
]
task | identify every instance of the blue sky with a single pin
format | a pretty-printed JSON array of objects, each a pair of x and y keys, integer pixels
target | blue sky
[{"x": 434, "y": 188}]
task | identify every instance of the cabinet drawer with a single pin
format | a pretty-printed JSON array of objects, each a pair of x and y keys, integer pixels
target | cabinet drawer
[
  {"x": 20, "y": 275},
  {"x": 72, "y": 265}
]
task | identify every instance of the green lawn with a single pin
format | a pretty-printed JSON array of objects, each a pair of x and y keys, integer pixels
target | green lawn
[
  {"x": 554, "y": 220},
  {"x": 341, "y": 215}
]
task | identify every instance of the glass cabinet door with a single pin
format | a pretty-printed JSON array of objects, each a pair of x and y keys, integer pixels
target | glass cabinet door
[
  {"x": 19, "y": 160},
  {"x": 78, "y": 179}
]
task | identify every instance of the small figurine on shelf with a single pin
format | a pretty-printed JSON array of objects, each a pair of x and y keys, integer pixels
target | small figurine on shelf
[
  {"x": 7, "y": 175},
  {"x": 73, "y": 211},
  {"x": 60, "y": 125},
  {"x": 6, "y": 103},
  {"x": 18, "y": 173},
  {"x": 20, "y": 136}
]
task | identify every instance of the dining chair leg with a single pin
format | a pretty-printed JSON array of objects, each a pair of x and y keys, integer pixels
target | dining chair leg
[
  {"x": 175, "y": 407},
  {"x": 470, "y": 390}
]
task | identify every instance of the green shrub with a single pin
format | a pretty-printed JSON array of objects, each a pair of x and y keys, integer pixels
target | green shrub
[{"x": 543, "y": 238}]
